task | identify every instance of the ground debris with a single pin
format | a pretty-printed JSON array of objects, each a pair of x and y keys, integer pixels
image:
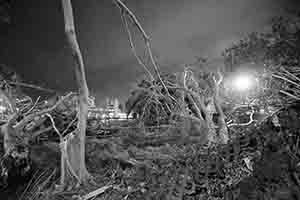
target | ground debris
[{"x": 258, "y": 160}]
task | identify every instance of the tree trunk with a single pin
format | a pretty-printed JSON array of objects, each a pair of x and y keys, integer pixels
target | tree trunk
[
  {"x": 222, "y": 131},
  {"x": 216, "y": 132},
  {"x": 76, "y": 150}
]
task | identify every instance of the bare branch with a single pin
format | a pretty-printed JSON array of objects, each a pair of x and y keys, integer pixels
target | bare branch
[
  {"x": 30, "y": 117},
  {"x": 286, "y": 79},
  {"x": 124, "y": 8},
  {"x": 251, "y": 120},
  {"x": 290, "y": 74},
  {"x": 133, "y": 47},
  {"x": 31, "y": 86},
  {"x": 289, "y": 94},
  {"x": 39, "y": 132},
  {"x": 53, "y": 125},
  {"x": 34, "y": 105},
  {"x": 96, "y": 192},
  {"x": 69, "y": 125}
]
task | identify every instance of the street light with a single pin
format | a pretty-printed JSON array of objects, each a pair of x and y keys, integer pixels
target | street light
[{"x": 243, "y": 82}]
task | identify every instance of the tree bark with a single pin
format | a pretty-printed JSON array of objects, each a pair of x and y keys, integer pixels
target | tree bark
[
  {"x": 76, "y": 151},
  {"x": 222, "y": 131}
]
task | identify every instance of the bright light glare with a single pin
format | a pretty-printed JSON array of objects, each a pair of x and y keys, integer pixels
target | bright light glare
[
  {"x": 243, "y": 82},
  {"x": 2, "y": 109}
]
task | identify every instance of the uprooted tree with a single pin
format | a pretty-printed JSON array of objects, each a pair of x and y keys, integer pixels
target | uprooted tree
[
  {"x": 162, "y": 97},
  {"x": 195, "y": 96},
  {"x": 274, "y": 56},
  {"x": 17, "y": 131}
]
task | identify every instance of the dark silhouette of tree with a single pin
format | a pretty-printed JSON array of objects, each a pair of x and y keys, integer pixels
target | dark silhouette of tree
[{"x": 275, "y": 58}]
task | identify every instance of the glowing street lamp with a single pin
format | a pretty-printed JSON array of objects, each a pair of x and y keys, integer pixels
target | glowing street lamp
[{"x": 243, "y": 82}]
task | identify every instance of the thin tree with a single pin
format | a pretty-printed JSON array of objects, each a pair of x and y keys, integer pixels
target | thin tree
[{"x": 77, "y": 143}]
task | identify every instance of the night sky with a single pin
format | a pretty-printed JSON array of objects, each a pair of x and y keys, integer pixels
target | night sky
[{"x": 34, "y": 43}]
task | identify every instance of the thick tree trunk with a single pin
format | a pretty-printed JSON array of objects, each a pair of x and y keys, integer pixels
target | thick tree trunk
[{"x": 76, "y": 151}]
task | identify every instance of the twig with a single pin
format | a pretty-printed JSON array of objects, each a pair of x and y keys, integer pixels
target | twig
[
  {"x": 69, "y": 125},
  {"x": 124, "y": 8},
  {"x": 291, "y": 74},
  {"x": 39, "y": 132},
  {"x": 28, "y": 185},
  {"x": 96, "y": 192},
  {"x": 24, "y": 99},
  {"x": 244, "y": 124},
  {"x": 34, "y": 105},
  {"x": 133, "y": 47},
  {"x": 30, "y": 117},
  {"x": 296, "y": 178},
  {"x": 286, "y": 79},
  {"x": 53, "y": 125},
  {"x": 289, "y": 94},
  {"x": 62, "y": 149},
  {"x": 36, "y": 182},
  {"x": 156, "y": 67},
  {"x": 31, "y": 86}
]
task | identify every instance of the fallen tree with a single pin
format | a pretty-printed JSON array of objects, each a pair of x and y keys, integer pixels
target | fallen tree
[{"x": 195, "y": 100}]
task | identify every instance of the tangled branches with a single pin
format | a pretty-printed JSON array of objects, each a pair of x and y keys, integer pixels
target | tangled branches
[
  {"x": 196, "y": 98},
  {"x": 151, "y": 103}
]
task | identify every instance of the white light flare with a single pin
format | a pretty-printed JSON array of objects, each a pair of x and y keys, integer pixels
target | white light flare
[
  {"x": 2, "y": 109},
  {"x": 243, "y": 82}
]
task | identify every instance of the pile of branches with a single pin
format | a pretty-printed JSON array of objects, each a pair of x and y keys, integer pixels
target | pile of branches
[
  {"x": 29, "y": 122},
  {"x": 152, "y": 103},
  {"x": 192, "y": 96}
]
